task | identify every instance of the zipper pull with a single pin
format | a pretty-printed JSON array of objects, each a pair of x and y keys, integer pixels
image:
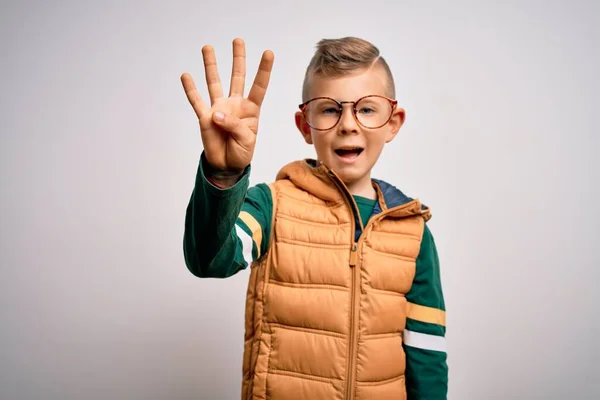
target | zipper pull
[{"x": 353, "y": 255}]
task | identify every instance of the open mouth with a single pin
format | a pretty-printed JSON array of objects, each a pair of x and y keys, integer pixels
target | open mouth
[{"x": 349, "y": 152}]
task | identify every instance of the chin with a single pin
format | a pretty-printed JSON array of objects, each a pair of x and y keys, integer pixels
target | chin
[{"x": 349, "y": 178}]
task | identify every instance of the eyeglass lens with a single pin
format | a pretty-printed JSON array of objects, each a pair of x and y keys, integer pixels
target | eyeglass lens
[{"x": 371, "y": 112}]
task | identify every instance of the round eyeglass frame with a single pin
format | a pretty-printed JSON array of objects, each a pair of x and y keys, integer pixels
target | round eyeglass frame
[{"x": 340, "y": 104}]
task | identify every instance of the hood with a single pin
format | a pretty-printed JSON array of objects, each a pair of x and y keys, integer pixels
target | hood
[{"x": 319, "y": 180}]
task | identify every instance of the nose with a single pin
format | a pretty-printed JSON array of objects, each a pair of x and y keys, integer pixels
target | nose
[{"x": 348, "y": 123}]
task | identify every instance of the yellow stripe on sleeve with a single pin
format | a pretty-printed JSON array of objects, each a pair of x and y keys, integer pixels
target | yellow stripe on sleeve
[
  {"x": 426, "y": 314},
  {"x": 254, "y": 227}
]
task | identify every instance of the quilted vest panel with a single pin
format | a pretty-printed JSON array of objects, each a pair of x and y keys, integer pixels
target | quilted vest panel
[{"x": 325, "y": 315}]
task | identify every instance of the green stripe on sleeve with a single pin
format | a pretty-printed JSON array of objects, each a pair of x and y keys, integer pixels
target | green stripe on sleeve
[{"x": 424, "y": 327}]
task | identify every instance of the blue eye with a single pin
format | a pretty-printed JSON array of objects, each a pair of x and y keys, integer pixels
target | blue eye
[
  {"x": 330, "y": 111},
  {"x": 366, "y": 110}
]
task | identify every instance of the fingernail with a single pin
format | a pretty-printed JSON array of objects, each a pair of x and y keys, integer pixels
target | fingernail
[{"x": 219, "y": 116}]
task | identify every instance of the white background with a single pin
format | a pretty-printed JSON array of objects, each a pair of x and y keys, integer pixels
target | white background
[{"x": 99, "y": 153}]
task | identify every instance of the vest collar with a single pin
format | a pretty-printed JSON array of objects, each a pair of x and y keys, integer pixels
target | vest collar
[{"x": 318, "y": 179}]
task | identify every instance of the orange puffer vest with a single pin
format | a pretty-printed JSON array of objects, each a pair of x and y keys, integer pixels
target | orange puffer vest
[{"x": 325, "y": 312}]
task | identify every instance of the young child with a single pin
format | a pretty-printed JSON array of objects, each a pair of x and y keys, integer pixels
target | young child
[{"x": 344, "y": 299}]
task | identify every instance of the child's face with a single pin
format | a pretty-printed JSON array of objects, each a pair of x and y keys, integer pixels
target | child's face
[{"x": 353, "y": 167}]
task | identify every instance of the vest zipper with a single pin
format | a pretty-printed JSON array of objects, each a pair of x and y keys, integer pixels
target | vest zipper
[
  {"x": 353, "y": 334},
  {"x": 354, "y": 297}
]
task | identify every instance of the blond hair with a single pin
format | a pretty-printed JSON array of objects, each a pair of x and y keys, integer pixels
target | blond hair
[{"x": 338, "y": 57}]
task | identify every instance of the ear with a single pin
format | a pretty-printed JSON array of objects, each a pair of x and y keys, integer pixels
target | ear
[
  {"x": 395, "y": 123},
  {"x": 303, "y": 127}
]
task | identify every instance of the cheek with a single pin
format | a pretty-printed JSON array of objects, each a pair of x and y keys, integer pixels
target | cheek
[
  {"x": 377, "y": 141},
  {"x": 321, "y": 142}
]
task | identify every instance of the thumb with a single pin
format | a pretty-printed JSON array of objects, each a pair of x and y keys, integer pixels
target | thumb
[{"x": 230, "y": 124}]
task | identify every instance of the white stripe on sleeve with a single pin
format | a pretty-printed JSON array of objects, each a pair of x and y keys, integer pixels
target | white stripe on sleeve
[
  {"x": 246, "y": 244},
  {"x": 424, "y": 341}
]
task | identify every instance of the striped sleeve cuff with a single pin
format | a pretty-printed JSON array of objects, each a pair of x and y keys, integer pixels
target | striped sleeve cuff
[
  {"x": 426, "y": 353},
  {"x": 425, "y": 328},
  {"x": 249, "y": 232}
]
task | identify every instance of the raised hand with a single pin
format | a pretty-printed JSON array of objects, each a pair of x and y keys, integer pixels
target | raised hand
[{"x": 230, "y": 125}]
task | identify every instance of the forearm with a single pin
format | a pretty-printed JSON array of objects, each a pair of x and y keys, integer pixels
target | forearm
[
  {"x": 210, "y": 242},
  {"x": 424, "y": 336}
]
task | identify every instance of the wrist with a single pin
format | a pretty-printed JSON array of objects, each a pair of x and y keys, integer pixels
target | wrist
[
  {"x": 221, "y": 178},
  {"x": 224, "y": 179}
]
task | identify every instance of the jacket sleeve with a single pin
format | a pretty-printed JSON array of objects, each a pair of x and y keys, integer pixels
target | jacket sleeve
[
  {"x": 225, "y": 229},
  {"x": 424, "y": 336}
]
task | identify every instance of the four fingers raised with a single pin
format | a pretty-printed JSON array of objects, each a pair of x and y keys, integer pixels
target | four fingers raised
[{"x": 238, "y": 78}]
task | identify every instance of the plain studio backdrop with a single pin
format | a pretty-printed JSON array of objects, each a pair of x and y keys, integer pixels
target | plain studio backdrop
[{"x": 99, "y": 153}]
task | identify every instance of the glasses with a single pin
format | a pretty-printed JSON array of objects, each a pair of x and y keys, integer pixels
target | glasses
[{"x": 372, "y": 112}]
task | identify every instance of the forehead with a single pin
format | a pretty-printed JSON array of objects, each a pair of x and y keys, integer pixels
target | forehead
[{"x": 350, "y": 87}]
